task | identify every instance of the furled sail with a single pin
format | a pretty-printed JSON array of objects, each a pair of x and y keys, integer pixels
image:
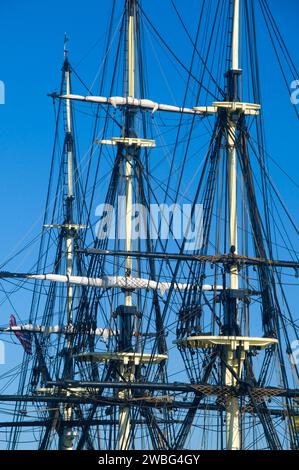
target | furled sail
[{"x": 108, "y": 282}]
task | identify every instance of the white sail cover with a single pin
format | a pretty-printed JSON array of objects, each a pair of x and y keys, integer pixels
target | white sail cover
[{"x": 123, "y": 282}]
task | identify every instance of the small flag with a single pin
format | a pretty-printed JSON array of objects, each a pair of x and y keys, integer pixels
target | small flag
[{"x": 23, "y": 336}]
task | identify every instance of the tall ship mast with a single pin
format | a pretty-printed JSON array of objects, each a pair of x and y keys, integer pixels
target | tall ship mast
[{"x": 138, "y": 336}]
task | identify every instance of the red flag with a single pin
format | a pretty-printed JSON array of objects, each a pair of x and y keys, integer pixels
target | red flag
[{"x": 23, "y": 336}]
